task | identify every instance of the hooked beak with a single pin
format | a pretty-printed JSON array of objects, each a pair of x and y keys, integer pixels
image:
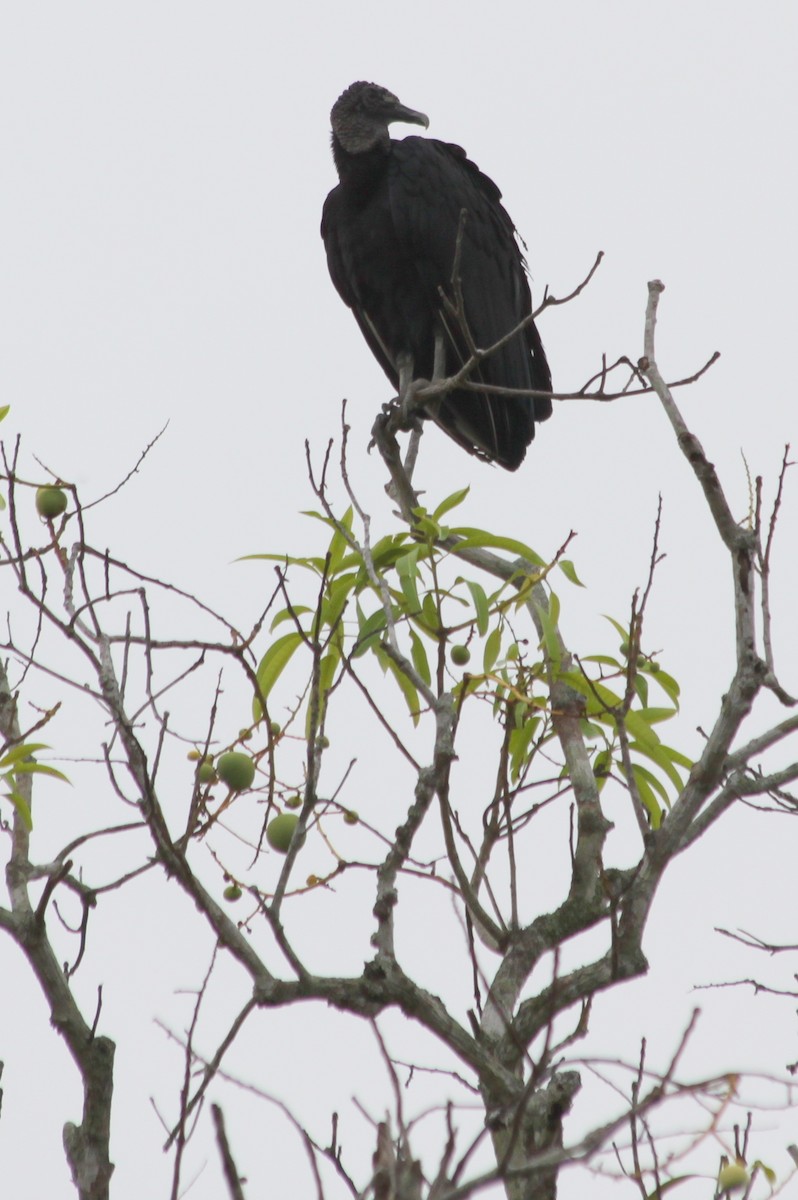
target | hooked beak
[{"x": 408, "y": 115}]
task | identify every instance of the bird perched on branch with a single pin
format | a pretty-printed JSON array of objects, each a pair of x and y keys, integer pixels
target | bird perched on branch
[{"x": 421, "y": 249}]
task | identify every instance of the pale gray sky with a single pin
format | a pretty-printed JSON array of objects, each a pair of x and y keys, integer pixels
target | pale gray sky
[{"x": 164, "y": 168}]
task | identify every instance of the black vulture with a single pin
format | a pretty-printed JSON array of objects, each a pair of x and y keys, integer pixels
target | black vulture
[{"x": 390, "y": 229}]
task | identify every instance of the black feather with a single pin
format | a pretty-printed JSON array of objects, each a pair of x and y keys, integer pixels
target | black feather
[{"x": 390, "y": 231}]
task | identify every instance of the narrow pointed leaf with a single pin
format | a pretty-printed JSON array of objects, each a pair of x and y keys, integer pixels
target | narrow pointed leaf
[
  {"x": 569, "y": 571},
  {"x": 37, "y": 768},
  {"x": 480, "y": 605},
  {"x": 481, "y": 538},
  {"x": 21, "y": 806},
  {"x": 450, "y": 502},
  {"x": 22, "y": 751},
  {"x": 419, "y": 656},
  {"x": 493, "y": 645},
  {"x": 273, "y": 663}
]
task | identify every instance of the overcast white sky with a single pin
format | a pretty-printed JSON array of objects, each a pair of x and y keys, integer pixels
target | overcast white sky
[{"x": 164, "y": 167}]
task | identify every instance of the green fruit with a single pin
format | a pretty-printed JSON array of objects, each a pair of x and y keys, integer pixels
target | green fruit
[
  {"x": 50, "y": 502},
  {"x": 351, "y": 817},
  {"x": 232, "y": 893},
  {"x": 733, "y": 1175},
  {"x": 460, "y": 655},
  {"x": 244, "y": 735},
  {"x": 206, "y": 771},
  {"x": 275, "y": 729},
  {"x": 293, "y": 802},
  {"x": 280, "y": 831},
  {"x": 237, "y": 770},
  {"x": 625, "y": 648},
  {"x": 322, "y": 742}
]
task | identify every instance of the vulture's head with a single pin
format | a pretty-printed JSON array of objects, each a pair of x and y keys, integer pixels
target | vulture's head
[{"x": 361, "y": 115}]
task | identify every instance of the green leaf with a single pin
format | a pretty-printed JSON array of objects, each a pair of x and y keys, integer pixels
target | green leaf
[
  {"x": 273, "y": 663},
  {"x": 419, "y": 656},
  {"x": 647, "y": 796},
  {"x": 622, "y": 630},
  {"x": 654, "y": 715},
  {"x": 547, "y": 616},
  {"x": 406, "y": 687},
  {"x": 768, "y": 1172},
  {"x": 480, "y": 604},
  {"x": 520, "y": 739},
  {"x": 602, "y": 764},
  {"x": 662, "y": 757},
  {"x": 37, "y": 768},
  {"x": 656, "y": 784},
  {"x": 668, "y": 684},
  {"x": 641, "y": 687},
  {"x": 640, "y": 730},
  {"x": 369, "y": 628},
  {"x": 339, "y": 543},
  {"x": 337, "y": 598},
  {"x": 407, "y": 569},
  {"x": 288, "y": 614},
  {"x": 569, "y": 571},
  {"x": 4, "y": 411},
  {"x": 23, "y": 750},
  {"x": 429, "y": 613},
  {"x": 577, "y": 681},
  {"x": 481, "y": 538},
  {"x": 602, "y": 699},
  {"x": 669, "y": 1184},
  {"x": 599, "y": 697},
  {"x": 22, "y": 808},
  {"x": 450, "y": 502},
  {"x": 493, "y": 645},
  {"x": 425, "y": 527},
  {"x": 316, "y": 565},
  {"x": 604, "y": 660},
  {"x": 387, "y": 550}
]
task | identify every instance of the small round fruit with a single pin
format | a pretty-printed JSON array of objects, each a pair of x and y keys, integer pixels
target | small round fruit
[
  {"x": 244, "y": 735},
  {"x": 322, "y": 742},
  {"x": 50, "y": 502},
  {"x": 460, "y": 655},
  {"x": 625, "y": 648},
  {"x": 293, "y": 802},
  {"x": 275, "y": 728},
  {"x": 206, "y": 772},
  {"x": 194, "y": 755},
  {"x": 351, "y": 817},
  {"x": 280, "y": 831},
  {"x": 232, "y": 893},
  {"x": 237, "y": 770},
  {"x": 732, "y": 1176}
]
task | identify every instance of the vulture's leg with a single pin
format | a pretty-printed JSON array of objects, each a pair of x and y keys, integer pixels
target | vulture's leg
[
  {"x": 404, "y": 365},
  {"x": 438, "y": 373},
  {"x": 407, "y": 389}
]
